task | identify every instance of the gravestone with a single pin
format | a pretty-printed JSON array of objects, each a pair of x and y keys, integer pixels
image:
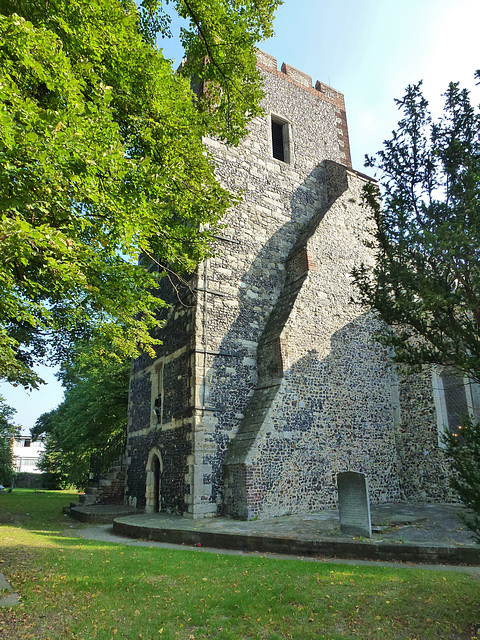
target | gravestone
[
  {"x": 354, "y": 504},
  {"x": 9, "y": 599}
]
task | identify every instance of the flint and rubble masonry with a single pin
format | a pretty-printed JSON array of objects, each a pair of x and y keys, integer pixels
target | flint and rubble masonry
[{"x": 269, "y": 380}]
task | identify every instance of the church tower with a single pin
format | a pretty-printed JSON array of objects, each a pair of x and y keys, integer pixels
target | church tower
[{"x": 269, "y": 381}]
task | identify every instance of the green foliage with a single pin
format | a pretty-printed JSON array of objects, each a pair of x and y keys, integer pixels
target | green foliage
[
  {"x": 62, "y": 469},
  {"x": 219, "y": 44},
  {"x": 426, "y": 280},
  {"x": 101, "y": 160},
  {"x": 8, "y": 432},
  {"x": 464, "y": 451},
  {"x": 93, "y": 413}
]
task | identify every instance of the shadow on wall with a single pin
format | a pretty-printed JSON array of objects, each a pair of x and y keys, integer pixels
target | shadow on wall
[
  {"x": 329, "y": 414},
  {"x": 296, "y": 390},
  {"x": 295, "y": 425},
  {"x": 232, "y": 376}
]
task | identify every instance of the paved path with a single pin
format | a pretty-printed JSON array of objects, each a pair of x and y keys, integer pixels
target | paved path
[{"x": 104, "y": 533}]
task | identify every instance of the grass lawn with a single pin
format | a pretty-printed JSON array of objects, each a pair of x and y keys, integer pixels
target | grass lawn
[{"x": 82, "y": 590}]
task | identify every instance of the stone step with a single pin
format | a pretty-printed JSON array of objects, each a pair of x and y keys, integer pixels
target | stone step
[
  {"x": 87, "y": 498},
  {"x": 111, "y": 473},
  {"x": 110, "y": 487}
]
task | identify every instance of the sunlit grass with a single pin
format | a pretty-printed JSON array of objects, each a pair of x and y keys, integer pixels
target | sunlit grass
[
  {"x": 72, "y": 588},
  {"x": 37, "y": 509}
]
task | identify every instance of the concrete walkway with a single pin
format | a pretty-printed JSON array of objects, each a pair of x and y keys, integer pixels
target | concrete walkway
[{"x": 421, "y": 534}]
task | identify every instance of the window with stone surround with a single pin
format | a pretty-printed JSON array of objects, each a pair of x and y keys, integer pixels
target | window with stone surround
[
  {"x": 455, "y": 396},
  {"x": 281, "y": 142}
]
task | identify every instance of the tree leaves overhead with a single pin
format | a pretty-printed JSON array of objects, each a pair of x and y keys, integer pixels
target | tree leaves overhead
[
  {"x": 220, "y": 56},
  {"x": 426, "y": 281},
  {"x": 101, "y": 159}
]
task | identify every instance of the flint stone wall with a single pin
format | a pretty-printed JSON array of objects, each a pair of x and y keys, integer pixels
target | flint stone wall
[
  {"x": 161, "y": 405},
  {"x": 244, "y": 281},
  {"x": 325, "y": 405}
]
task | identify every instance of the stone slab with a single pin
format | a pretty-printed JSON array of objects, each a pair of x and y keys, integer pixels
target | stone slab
[
  {"x": 354, "y": 504},
  {"x": 4, "y": 584},
  {"x": 99, "y": 513},
  {"x": 10, "y": 601},
  {"x": 11, "y": 598}
]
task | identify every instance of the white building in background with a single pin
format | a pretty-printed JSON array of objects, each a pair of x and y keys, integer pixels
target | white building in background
[{"x": 26, "y": 454}]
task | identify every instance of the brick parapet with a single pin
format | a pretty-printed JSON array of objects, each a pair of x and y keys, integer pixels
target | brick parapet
[
  {"x": 333, "y": 97},
  {"x": 268, "y": 63}
]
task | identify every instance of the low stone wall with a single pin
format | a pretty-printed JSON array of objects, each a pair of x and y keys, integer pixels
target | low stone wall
[{"x": 32, "y": 481}]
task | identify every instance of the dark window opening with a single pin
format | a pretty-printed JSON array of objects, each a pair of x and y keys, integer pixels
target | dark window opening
[
  {"x": 27, "y": 442},
  {"x": 278, "y": 145}
]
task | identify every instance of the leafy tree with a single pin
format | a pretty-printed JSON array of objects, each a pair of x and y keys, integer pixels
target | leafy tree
[
  {"x": 101, "y": 160},
  {"x": 8, "y": 432},
  {"x": 426, "y": 280},
  {"x": 92, "y": 416}
]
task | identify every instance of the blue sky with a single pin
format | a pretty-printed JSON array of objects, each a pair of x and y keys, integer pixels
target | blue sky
[{"x": 370, "y": 51}]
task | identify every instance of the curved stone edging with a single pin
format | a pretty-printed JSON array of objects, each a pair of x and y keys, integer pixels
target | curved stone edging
[{"x": 356, "y": 550}]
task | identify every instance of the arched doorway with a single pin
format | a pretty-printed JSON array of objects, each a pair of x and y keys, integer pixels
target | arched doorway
[{"x": 153, "y": 488}]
